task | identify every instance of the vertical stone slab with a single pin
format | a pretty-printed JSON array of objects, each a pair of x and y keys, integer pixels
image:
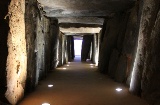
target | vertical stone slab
[
  {"x": 17, "y": 57},
  {"x": 63, "y": 49},
  {"x": 54, "y": 31},
  {"x": 151, "y": 73},
  {"x": 30, "y": 27},
  {"x": 40, "y": 51},
  {"x": 98, "y": 52},
  {"x": 109, "y": 42},
  {"x": 147, "y": 21},
  {"x": 69, "y": 48},
  {"x": 60, "y": 50},
  {"x": 72, "y": 47},
  {"x": 120, "y": 73},
  {"x": 122, "y": 31},
  {"x": 113, "y": 63},
  {"x": 95, "y": 48},
  {"x": 47, "y": 47},
  {"x": 103, "y": 30},
  {"x": 66, "y": 49},
  {"x": 130, "y": 40},
  {"x": 96, "y": 37},
  {"x": 86, "y": 44}
]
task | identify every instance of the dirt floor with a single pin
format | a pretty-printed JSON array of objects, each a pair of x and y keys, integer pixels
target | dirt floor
[{"x": 78, "y": 83}]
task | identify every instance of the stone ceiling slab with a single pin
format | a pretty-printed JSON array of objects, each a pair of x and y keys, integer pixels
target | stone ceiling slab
[
  {"x": 75, "y": 8},
  {"x": 78, "y": 25},
  {"x": 80, "y": 30},
  {"x": 82, "y": 20}
]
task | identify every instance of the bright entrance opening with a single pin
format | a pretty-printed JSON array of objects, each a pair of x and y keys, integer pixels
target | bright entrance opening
[{"x": 77, "y": 45}]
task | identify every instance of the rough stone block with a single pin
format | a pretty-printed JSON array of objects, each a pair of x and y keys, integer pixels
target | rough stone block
[
  {"x": 113, "y": 63},
  {"x": 120, "y": 73}
]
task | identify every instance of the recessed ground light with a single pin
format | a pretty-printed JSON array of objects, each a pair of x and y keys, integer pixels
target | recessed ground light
[
  {"x": 67, "y": 65},
  {"x": 45, "y": 104},
  {"x": 69, "y": 62},
  {"x": 91, "y": 64},
  {"x": 118, "y": 89},
  {"x": 64, "y": 68},
  {"x": 50, "y": 85}
]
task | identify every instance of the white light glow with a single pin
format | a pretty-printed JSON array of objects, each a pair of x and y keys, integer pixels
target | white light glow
[
  {"x": 64, "y": 68},
  {"x": 50, "y": 85},
  {"x": 91, "y": 64},
  {"x": 69, "y": 62},
  {"x": 118, "y": 89},
  {"x": 67, "y": 65},
  {"x": 77, "y": 47},
  {"x": 45, "y": 104}
]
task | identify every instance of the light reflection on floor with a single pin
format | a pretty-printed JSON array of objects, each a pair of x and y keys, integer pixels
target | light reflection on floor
[{"x": 79, "y": 84}]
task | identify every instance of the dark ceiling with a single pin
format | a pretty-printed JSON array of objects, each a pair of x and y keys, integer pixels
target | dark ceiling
[{"x": 83, "y": 13}]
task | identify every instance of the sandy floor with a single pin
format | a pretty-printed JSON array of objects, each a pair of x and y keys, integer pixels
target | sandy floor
[{"x": 80, "y": 84}]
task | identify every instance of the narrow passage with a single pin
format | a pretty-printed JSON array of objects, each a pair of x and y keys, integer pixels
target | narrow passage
[{"x": 78, "y": 83}]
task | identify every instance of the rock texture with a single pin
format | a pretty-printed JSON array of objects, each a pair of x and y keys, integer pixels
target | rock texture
[
  {"x": 40, "y": 49},
  {"x": 109, "y": 41},
  {"x": 92, "y": 8},
  {"x": 120, "y": 73},
  {"x": 17, "y": 57},
  {"x": 130, "y": 40},
  {"x": 26, "y": 66},
  {"x": 54, "y": 30},
  {"x": 31, "y": 15},
  {"x": 126, "y": 47},
  {"x": 135, "y": 65},
  {"x": 60, "y": 49},
  {"x": 147, "y": 57},
  {"x": 151, "y": 74},
  {"x": 82, "y": 20}
]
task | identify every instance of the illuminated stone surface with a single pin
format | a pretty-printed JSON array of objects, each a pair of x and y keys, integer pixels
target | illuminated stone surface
[{"x": 17, "y": 58}]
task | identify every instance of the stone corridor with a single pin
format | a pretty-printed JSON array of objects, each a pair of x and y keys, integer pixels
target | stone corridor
[
  {"x": 79, "y": 83},
  {"x": 120, "y": 38}
]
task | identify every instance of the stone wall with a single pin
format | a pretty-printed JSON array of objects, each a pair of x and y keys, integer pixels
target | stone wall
[
  {"x": 129, "y": 49},
  {"x": 46, "y": 44},
  {"x": 69, "y": 48},
  {"x": 130, "y": 40},
  {"x": 60, "y": 49},
  {"x": 86, "y": 45},
  {"x": 30, "y": 48},
  {"x": 113, "y": 36},
  {"x": 54, "y": 30},
  {"x": 118, "y": 46},
  {"x": 146, "y": 76},
  {"x": 31, "y": 15},
  {"x": 72, "y": 47},
  {"x": 64, "y": 49},
  {"x": 17, "y": 56},
  {"x": 95, "y": 48},
  {"x": 40, "y": 49}
]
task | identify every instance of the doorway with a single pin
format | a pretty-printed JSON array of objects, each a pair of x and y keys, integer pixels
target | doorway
[{"x": 78, "y": 46}]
